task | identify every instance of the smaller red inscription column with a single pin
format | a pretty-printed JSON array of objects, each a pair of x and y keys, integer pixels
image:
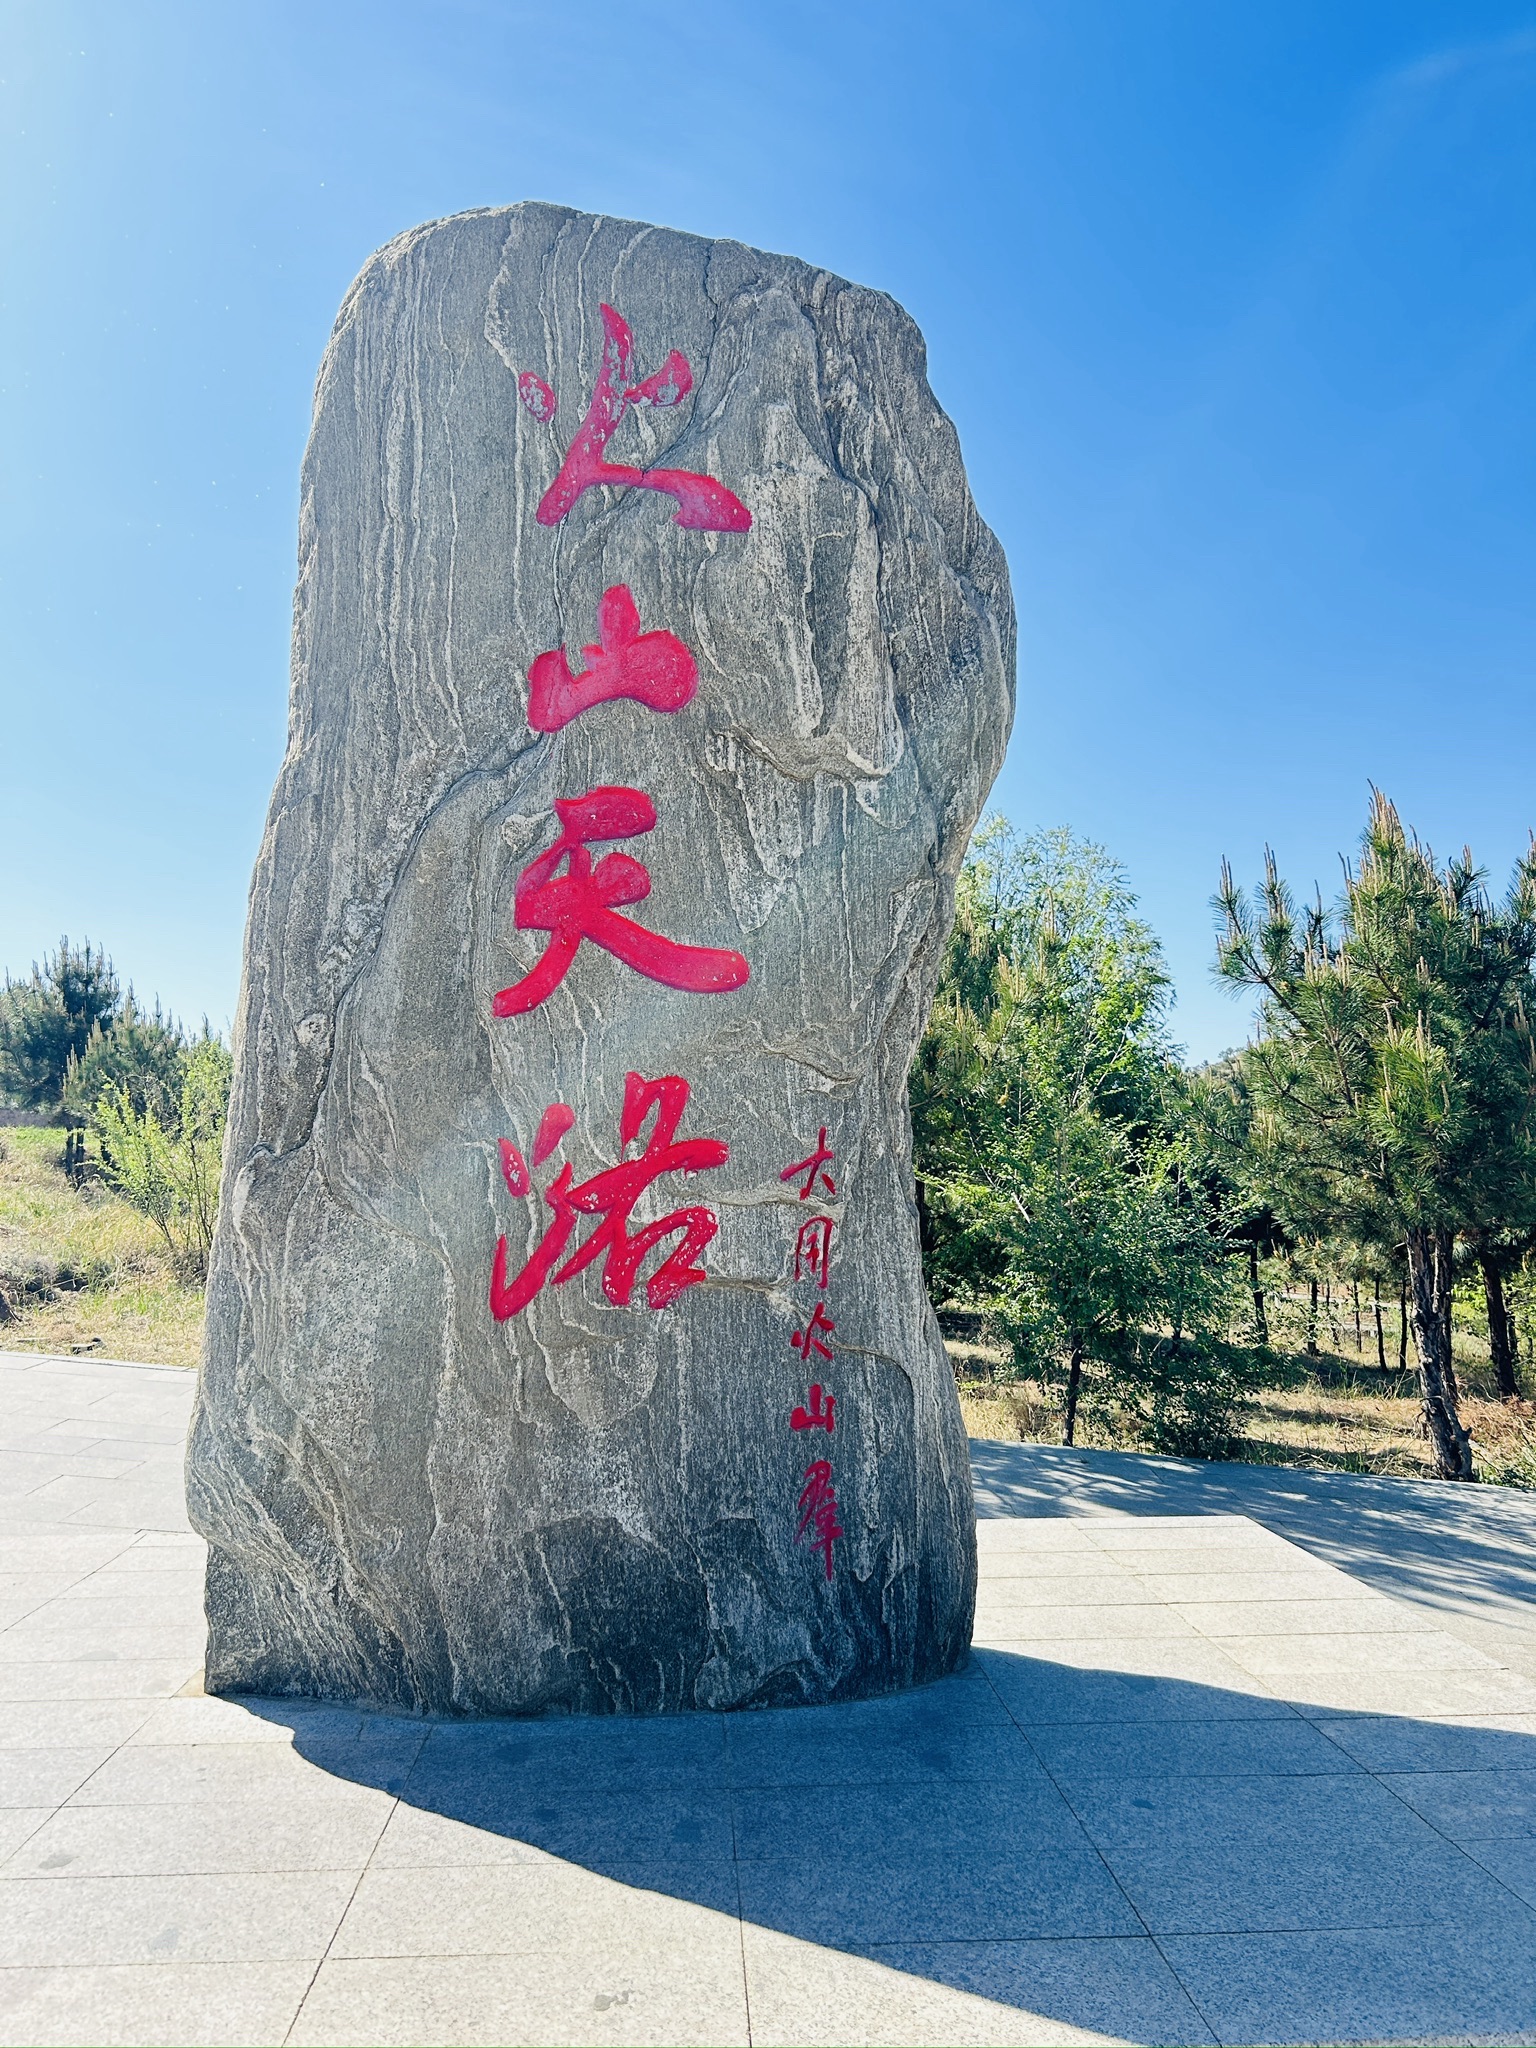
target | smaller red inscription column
[{"x": 817, "y": 1505}]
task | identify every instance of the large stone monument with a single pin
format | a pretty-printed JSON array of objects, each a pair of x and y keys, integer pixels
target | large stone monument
[{"x": 567, "y": 1344}]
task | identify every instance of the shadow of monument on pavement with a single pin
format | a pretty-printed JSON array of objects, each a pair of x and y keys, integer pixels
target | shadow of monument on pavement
[{"x": 1144, "y": 1857}]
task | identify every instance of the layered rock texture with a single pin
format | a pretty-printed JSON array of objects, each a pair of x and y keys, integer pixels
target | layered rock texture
[{"x": 485, "y": 1425}]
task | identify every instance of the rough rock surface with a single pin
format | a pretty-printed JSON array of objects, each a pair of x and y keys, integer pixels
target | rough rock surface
[{"x": 595, "y": 1505}]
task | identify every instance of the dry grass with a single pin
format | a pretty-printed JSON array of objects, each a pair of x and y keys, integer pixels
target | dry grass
[
  {"x": 1329, "y": 1413},
  {"x": 82, "y": 1271},
  {"x": 1345, "y": 1420}
]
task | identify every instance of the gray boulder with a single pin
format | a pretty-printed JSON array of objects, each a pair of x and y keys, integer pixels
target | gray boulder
[{"x": 561, "y": 1218}]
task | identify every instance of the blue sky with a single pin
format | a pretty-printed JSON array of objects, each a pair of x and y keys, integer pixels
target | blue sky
[{"x": 1233, "y": 301}]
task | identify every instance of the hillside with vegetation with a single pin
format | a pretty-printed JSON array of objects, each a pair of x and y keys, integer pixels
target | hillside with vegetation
[{"x": 111, "y": 1134}]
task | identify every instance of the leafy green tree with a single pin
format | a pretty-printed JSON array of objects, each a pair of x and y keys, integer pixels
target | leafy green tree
[
  {"x": 48, "y": 1019},
  {"x": 171, "y": 1172},
  {"x": 1047, "y": 1131},
  {"x": 1045, "y": 901},
  {"x": 1394, "y": 1067},
  {"x": 1111, "y": 1283},
  {"x": 138, "y": 1051}
]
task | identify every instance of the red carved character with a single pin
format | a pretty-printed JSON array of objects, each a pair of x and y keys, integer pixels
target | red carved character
[
  {"x": 806, "y": 1341},
  {"x": 580, "y": 905},
  {"x": 813, "y": 1249},
  {"x": 819, "y": 1160},
  {"x": 817, "y": 1415},
  {"x": 653, "y": 668},
  {"x": 514, "y": 1168},
  {"x": 536, "y": 397},
  {"x": 612, "y": 1195},
  {"x": 553, "y": 1125},
  {"x": 701, "y": 501},
  {"x": 818, "y": 1510}
]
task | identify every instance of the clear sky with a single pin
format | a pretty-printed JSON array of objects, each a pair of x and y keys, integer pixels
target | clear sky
[{"x": 1233, "y": 301}]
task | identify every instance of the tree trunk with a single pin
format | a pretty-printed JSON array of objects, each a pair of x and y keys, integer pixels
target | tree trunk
[
  {"x": 1381, "y": 1340},
  {"x": 1354, "y": 1294},
  {"x": 1312, "y": 1323},
  {"x": 1499, "y": 1351},
  {"x": 1402, "y": 1324},
  {"x": 1429, "y": 1276},
  {"x": 1074, "y": 1386},
  {"x": 1444, "y": 1245},
  {"x": 924, "y": 1222},
  {"x": 1261, "y": 1319}
]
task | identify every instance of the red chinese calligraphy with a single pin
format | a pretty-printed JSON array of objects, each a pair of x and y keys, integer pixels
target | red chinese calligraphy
[
  {"x": 536, "y": 397},
  {"x": 701, "y": 501},
  {"x": 818, "y": 1511},
  {"x": 514, "y": 1168},
  {"x": 813, "y": 1250},
  {"x": 553, "y": 1125},
  {"x": 818, "y": 1415},
  {"x": 819, "y": 1160},
  {"x": 580, "y": 905},
  {"x": 612, "y": 1195},
  {"x": 807, "y": 1340},
  {"x": 653, "y": 668}
]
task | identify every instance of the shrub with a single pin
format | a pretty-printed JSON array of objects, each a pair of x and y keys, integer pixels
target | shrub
[
  {"x": 170, "y": 1173},
  {"x": 1191, "y": 1395}
]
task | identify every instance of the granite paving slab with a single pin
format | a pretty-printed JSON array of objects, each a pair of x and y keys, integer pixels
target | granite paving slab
[{"x": 1234, "y": 1761}]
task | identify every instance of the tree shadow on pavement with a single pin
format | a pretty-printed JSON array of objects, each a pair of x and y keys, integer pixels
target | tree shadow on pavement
[{"x": 1467, "y": 1552}]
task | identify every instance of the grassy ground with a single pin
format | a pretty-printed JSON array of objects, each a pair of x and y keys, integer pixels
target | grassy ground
[
  {"x": 1331, "y": 1413},
  {"x": 80, "y": 1270}
]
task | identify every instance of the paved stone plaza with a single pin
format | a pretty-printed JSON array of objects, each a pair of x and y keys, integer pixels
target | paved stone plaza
[{"x": 1243, "y": 1755}]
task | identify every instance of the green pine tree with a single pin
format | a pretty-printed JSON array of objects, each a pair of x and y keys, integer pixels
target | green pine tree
[
  {"x": 141, "y": 1051},
  {"x": 1394, "y": 1072},
  {"x": 47, "y": 1020}
]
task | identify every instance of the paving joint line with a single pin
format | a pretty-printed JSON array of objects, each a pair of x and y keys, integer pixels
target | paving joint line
[
  {"x": 341, "y": 1917},
  {"x": 1061, "y": 1793}
]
